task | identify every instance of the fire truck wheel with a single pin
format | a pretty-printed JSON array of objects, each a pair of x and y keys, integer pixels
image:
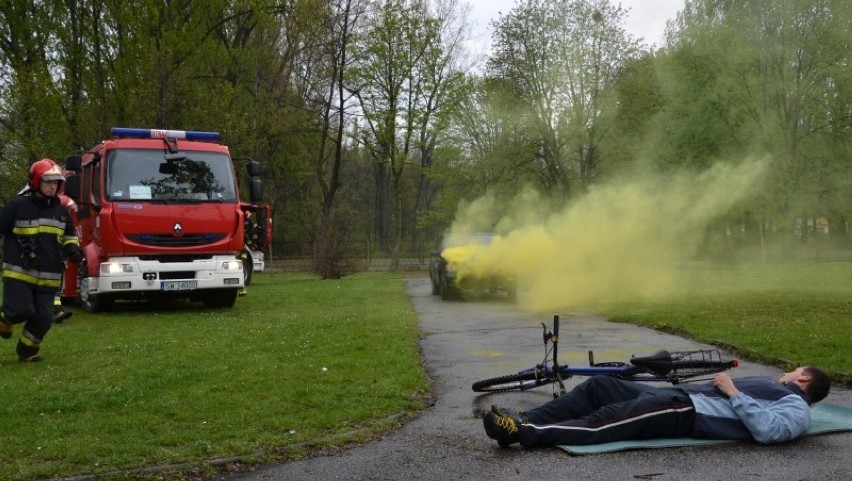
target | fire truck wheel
[{"x": 217, "y": 298}]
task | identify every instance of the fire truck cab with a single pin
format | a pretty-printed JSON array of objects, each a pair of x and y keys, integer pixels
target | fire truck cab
[{"x": 158, "y": 214}]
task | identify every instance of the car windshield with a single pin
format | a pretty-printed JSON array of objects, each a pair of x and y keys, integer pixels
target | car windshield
[
  {"x": 144, "y": 174},
  {"x": 460, "y": 240}
]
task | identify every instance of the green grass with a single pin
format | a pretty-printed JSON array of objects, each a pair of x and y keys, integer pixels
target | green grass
[
  {"x": 776, "y": 313},
  {"x": 295, "y": 365}
]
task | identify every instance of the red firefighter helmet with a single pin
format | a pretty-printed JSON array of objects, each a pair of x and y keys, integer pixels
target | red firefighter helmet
[{"x": 44, "y": 169}]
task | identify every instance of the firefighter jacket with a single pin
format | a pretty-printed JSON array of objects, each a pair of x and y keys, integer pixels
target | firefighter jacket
[{"x": 37, "y": 236}]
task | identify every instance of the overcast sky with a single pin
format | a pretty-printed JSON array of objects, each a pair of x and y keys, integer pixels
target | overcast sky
[{"x": 646, "y": 18}]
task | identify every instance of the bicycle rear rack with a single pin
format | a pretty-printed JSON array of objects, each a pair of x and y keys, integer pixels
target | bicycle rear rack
[{"x": 688, "y": 364}]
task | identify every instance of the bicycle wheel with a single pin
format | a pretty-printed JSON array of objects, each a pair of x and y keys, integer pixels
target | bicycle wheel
[{"x": 513, "y": 382}]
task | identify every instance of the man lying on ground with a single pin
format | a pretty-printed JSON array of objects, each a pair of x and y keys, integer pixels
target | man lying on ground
[{"x": 603, "y": 409}]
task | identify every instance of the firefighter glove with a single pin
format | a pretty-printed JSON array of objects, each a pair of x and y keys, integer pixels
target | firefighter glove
[{"x": 73, "y": 253}]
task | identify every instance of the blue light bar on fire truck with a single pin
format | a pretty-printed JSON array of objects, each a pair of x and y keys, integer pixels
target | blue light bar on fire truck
[{"x": 165, "y": 134}]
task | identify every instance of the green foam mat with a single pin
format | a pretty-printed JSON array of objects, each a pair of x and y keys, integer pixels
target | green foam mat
[{"x": 825, "y": 418}]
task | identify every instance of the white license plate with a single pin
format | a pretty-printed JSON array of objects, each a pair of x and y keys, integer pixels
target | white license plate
[{"x": 178, "y": 285}]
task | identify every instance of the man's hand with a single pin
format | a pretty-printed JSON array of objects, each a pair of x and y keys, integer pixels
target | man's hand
[{"x": 724, "y": 383}]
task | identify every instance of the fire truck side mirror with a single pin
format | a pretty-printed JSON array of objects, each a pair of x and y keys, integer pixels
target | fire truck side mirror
[
  {"x": 73, "y": 163},
  {"x": 255, "y": 190},
  {"x": 72, "y": 186},
  {"x": 253, "y": 168}
]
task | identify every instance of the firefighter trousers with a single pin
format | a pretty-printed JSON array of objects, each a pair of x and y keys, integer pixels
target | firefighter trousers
[{"x": 24, "y": 303}]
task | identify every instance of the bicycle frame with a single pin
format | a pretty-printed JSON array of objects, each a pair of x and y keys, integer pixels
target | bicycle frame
[
  {"x": 661, "y": 366},
  {"x": 552, "y": 372}
]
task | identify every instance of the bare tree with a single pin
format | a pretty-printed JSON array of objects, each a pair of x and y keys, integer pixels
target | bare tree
[
  {"x": 398, "y": 88},
  {"x": 341, "y": 22},
  {"x": 562, "y": 58}
]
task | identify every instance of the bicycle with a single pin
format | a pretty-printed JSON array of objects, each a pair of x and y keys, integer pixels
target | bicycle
[{"x": 672, "y": 367}]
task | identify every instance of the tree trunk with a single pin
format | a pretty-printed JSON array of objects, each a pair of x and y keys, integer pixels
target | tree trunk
[
  {"x": 397, "y": 221},
  {"x": 381, "y": 207}
]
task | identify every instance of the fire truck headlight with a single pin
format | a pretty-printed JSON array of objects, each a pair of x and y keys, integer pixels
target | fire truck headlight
[
  {"x": 117, "y": 268},
  {"x": 232, "y": 266}
]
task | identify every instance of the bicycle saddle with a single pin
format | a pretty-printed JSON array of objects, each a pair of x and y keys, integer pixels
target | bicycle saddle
[{"x": 660, "y": 363}]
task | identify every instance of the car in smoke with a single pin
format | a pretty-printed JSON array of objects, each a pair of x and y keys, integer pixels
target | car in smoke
[{"x": 457, "y": 248}]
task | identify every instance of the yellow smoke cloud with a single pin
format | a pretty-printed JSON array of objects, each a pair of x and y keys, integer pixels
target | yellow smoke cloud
[
  {"x": 463, "y": 258},
  {"x": 621, "y": 241}
]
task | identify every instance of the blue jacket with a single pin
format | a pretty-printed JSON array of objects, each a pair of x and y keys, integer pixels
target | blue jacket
[{"x": 764, "y": 410}]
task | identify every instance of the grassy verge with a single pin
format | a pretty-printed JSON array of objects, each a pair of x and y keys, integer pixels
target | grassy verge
[
  {"x": 297, "y": 363},
  {"x": 775, "y": 313}
]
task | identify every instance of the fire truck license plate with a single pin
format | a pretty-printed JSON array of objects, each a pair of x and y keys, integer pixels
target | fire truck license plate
[{"x": 178, "y": 285}]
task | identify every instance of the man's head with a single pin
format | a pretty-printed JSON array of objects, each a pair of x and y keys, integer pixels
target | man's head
[
  {"x": 45, "y": 178},
  {"x": 814, "y": 381}
]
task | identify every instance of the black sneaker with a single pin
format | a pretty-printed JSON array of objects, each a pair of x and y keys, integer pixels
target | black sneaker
[
  {"x": 502, "y": 428},
  {"x": 33, "y": 358},
  {"x": 505, "y": 412}
]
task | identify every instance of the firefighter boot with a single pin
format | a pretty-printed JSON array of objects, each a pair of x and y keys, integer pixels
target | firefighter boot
[
  {"x": 60, "y": 315},
  {"x": 5, "y": 327},
  {"x": 28, "y": 350}
]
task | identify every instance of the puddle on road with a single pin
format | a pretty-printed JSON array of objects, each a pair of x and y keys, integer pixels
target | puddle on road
[{"x": 486, "y": 353}]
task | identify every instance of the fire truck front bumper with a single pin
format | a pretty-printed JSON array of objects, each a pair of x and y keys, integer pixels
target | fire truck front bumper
[{"x": 132, "y": 274}]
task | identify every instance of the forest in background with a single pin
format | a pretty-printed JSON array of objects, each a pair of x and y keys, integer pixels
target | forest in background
[{"x": 376, "y": 125}]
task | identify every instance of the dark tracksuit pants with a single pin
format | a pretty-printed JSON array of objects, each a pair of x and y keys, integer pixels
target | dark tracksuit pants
[{"x": 604, "y": 409}]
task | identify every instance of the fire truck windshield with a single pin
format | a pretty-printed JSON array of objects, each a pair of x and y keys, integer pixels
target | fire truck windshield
[{"x": 136, "y": 174}]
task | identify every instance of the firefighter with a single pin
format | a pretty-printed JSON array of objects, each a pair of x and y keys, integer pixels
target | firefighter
[
  {"x": 250, "y": 232},
  {"x": 59, "y": 313},
  {"x": 38, "y": 236}
]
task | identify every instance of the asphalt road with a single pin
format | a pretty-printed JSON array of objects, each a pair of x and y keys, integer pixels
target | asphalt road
[{"x": 466, "y": 341}]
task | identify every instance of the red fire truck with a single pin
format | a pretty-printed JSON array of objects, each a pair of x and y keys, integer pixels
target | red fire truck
[{"x": 158, "y": 214}]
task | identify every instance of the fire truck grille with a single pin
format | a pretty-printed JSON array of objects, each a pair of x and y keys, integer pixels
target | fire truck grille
[
  {"x": 169, "y": 240},
  {"x": 171, "y": 259}
]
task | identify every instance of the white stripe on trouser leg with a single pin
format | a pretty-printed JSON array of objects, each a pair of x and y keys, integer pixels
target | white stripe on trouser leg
[{"x": 602, "y": 427}]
